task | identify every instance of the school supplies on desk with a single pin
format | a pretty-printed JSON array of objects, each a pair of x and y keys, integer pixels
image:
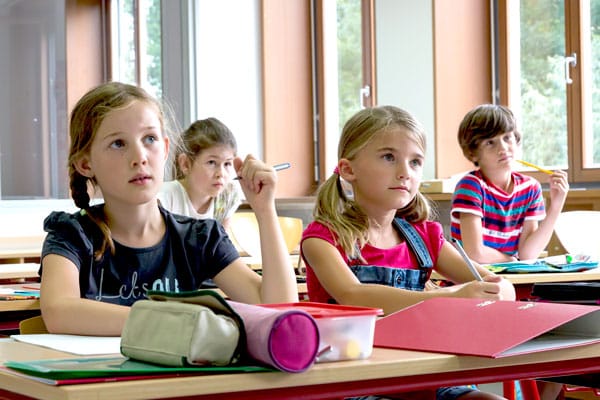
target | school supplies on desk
[
  {"x": 563, "y": 263},
  {"x": 285, "y": 339},
  {"x": 74, "y": 344},
  {"x": 88, "y": 370},
  {"x": 17, "y": 294},
  {"x": 488, "y": 328}
]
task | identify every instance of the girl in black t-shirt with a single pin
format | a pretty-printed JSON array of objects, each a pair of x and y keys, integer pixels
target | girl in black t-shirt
[{"x": 97, "y": 262}]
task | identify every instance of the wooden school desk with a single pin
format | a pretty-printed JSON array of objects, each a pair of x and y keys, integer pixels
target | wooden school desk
[
  {"x": 20, "y": 305},
  {"x": 524, "y": 282},
  {"x": 385, "y": 371},
  {"x": 20, "y": 249},
  {"x": 530, "y": 278},
  {"x": 19, "y": 271},
  {"x": 14, "y": 311}
]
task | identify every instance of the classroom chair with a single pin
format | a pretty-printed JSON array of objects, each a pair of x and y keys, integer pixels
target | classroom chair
[
  {"x": 572, "y": 229},
  {"x": 33, "y": 325},
  {"x": 243, "y": 229},
  {"x": 575, "y": 231}
]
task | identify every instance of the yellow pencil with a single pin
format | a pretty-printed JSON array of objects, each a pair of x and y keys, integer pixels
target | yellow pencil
[{"x": 546, "y": 171}]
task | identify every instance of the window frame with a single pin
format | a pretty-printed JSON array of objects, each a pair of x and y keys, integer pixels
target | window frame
[
  {"x": 578, "y": 174},
  {"x": 368, "y": 76}
]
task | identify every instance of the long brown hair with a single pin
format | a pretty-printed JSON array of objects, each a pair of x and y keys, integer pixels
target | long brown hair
[{"x": 86, "y": 117}]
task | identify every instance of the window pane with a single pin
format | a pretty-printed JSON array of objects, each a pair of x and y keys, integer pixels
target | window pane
[
  {"x": 342, "y": 44},
  {"x": 123, "y": 41},
  {"x": 592, "y": 86},
  {"x": 542, "y": 102},
  {"x": 228, "y": 68},
  {"x": 151, "y": 47},
  {"x": 33, "y": 125},
  {"x": 349, "y": 41}
]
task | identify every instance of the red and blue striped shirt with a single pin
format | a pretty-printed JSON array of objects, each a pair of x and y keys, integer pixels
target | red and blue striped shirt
[{"x": 502, "y": 214}]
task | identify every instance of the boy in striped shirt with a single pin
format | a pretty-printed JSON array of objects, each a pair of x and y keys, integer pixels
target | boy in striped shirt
[{"x": 499, "y": 214}]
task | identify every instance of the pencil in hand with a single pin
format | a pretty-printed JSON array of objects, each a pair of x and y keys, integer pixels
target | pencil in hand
[
  {"x": 528, "y": 164},
  {"x": 277, "y": 167},
  {"x": 467, "y": 260}
]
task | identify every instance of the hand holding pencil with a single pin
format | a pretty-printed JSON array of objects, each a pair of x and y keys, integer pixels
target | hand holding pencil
[
  {"x": 489, "y": 286},
  {"x": 559, "y": 183},
  {"x": 257, "y": 180}
]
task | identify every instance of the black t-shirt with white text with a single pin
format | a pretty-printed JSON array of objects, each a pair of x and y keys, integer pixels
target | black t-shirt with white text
[{"x": 190, "y": 252}]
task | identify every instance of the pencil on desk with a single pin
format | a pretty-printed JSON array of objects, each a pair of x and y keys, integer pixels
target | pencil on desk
[
  {"x": 467, "y": 260},
  {"x": 528, "y": 164}
]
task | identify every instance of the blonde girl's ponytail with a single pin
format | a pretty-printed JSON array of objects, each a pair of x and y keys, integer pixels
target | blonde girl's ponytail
[{"x": 340, "y": 214}]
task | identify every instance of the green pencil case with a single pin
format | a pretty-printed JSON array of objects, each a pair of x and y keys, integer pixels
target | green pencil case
[{"x": 175, "y": 333}]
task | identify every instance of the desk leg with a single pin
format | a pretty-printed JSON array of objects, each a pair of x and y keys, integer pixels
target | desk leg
[
  {"x": 508, "y": 390},
  {"x": 529, "y": 390},
  {"x": 523, "y": 291}
]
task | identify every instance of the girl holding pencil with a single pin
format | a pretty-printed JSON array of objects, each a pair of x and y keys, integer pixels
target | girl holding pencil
[
  {"x": 497, "y": 213},
  {"x": 368, "y": 216},
  {"x": 98, "y": 262}
]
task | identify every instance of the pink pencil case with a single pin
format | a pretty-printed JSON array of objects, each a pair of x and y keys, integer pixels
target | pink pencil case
[{"x": 285, "y": 339}]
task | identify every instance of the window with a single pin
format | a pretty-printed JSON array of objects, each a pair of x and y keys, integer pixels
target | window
[
  {"x": 552, "y": 82},
  {"x": 136, "y": 43},
  {"x": 226, "y": 47},
  {"x": 33, "y": 109},
  {"x": 344, "y": 52}
]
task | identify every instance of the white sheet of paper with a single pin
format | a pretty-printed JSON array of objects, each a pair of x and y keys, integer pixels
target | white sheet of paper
[{"x": 75, "y": 344}]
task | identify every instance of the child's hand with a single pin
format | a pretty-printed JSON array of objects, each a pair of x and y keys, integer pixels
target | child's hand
[
  {"x": 559, "y": 187},
  {"x": 490, "y": 288},
  {"x": 258, "y": 181}
]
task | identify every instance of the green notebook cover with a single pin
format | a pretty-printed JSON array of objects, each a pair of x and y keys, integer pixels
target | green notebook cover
[{"x": 90, "y": 367}]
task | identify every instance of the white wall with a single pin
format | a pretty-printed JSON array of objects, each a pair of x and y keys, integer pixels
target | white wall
[
  {"x": 228, "y": 69},
  {"x": 404, "y": 51}
]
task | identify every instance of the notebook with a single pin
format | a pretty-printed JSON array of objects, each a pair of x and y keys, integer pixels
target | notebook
[
  {"x": 488, "y": 328},
  {"x": 88, "y": 370}
]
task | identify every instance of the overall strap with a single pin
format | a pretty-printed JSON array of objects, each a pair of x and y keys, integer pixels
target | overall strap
[{"x": 415, "y": 242}]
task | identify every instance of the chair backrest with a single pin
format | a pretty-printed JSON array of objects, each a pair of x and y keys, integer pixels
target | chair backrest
[
  {"x": 243, "y": 228},
  {"x": 33, "y": 325},
  {"x": 578, "y": 232}
]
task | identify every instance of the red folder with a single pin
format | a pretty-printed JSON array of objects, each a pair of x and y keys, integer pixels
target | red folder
[{"x": 488, "y": 328}]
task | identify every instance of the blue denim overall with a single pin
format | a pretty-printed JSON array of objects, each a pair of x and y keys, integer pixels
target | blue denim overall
[{"x": 411, "y": 279}]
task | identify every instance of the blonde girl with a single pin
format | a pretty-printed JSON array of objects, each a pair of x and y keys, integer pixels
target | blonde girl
[{"x": 354, "y": 250}]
